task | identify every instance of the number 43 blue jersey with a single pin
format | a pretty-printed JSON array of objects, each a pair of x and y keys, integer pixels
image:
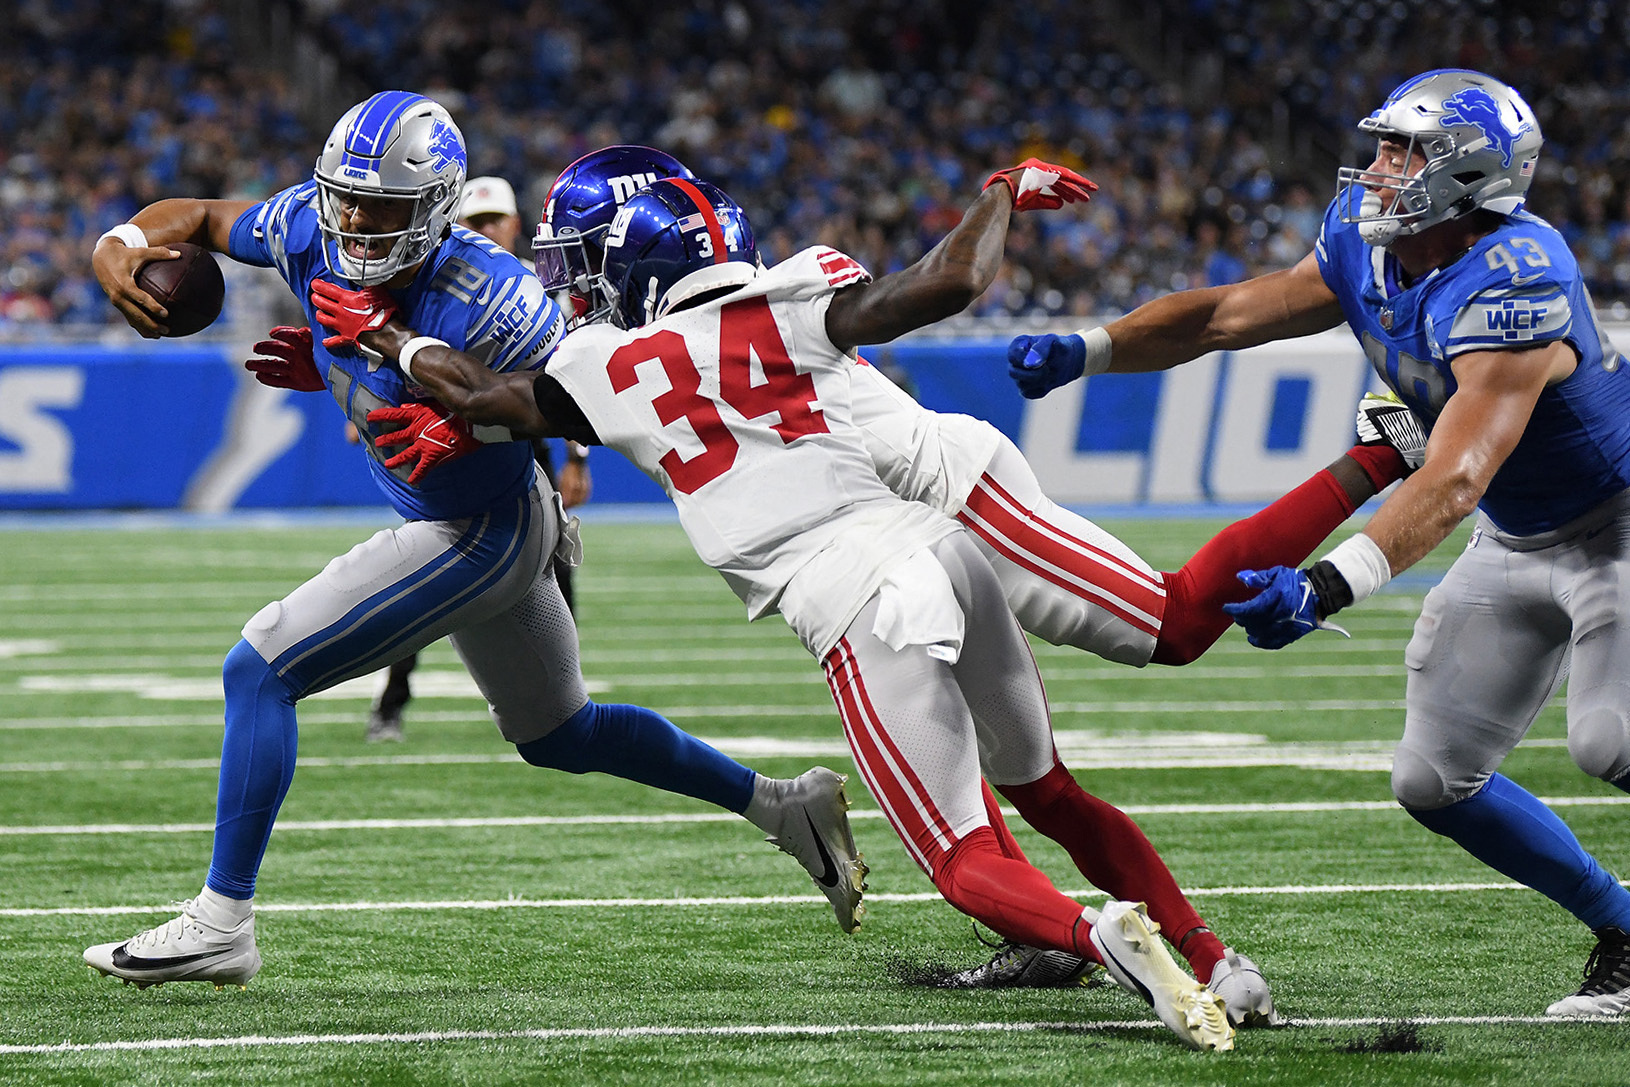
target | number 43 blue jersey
[{"x": 1518, "y": 287}]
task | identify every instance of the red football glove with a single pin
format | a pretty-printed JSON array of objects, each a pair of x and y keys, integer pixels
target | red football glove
[
  {"x": 290, "y": 365},
  {"x": 350, "y": 313},
  {"x": 432, "y": 435},
  {"x": 1037, "y": 184}
]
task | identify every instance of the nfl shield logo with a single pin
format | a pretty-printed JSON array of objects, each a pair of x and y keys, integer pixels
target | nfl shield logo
[{"x": 1386, "y": 320}]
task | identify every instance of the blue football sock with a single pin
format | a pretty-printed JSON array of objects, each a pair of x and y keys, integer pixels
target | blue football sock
[
  {"x": 641, "y": 745},
  {"x": 1507, "y": 828},
  {"x": 257, "y": 764}
]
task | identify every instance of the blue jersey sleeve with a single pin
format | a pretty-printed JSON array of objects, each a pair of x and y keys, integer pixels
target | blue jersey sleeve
[
  {"x": 1522, "y": 287},
  {"x": 280, "y": 233},
  {"x": 504, "y": 316}
]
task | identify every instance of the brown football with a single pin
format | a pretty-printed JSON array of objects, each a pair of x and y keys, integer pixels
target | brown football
[{"x": 190, "y": 287}]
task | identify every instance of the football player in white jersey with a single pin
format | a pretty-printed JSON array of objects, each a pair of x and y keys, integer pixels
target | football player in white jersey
[
  {"x": 1473, "y": 310},
  {"x": 730, "y": 385},
  {"x": 1066, "y": 579},
  {"x": 371, "y": 236}
]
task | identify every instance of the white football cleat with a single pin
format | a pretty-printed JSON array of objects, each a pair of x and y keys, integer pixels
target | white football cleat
[
  {"x": 1138, "y": 960},
  {"x": 186, "y": 948},
  {"x": 1383, "y": 419},
  {"x": 1244, "y": 991},
  {"x": 1606, "y": 991},
  {"x": 808, "y": 817}
]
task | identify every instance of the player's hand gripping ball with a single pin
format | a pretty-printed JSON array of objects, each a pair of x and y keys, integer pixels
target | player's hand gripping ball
[{"x": 189, "y": 287}]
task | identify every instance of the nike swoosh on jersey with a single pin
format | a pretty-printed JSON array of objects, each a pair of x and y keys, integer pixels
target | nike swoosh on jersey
[
  {"x": 123, "y": 960},
  {"x": 1519, "y": 281},
  {"x": 829, "y": 871}
]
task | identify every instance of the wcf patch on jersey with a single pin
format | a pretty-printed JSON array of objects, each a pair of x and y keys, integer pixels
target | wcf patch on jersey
[{"x": 1515, "y": 319}]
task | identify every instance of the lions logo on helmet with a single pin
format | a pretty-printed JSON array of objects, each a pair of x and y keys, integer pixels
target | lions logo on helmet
[
  {"x": 395, "y": 145},
  {"x": 1480, "y": 141},
  {"x": 567, "y": 249},
  {"x": 672, "y": 242}
]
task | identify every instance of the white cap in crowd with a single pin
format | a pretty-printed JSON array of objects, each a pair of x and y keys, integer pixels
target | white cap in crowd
[{"x": 487, "y": 196}]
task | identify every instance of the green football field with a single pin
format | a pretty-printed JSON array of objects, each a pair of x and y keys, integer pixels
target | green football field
[{"x": 439, "y": 912}]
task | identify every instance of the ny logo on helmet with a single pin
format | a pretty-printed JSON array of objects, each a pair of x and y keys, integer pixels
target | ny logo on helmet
[
  {"x": 624, "y": 187},
  {"x": 1476, "y": 107},
  {"x": 445, "y": 146}
]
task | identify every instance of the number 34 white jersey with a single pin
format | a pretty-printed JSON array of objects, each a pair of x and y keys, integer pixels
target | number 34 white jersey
[{"x": 740, "y": 408}]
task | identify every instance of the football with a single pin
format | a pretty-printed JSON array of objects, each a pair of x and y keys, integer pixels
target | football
[{"x": 189, "y": 287}]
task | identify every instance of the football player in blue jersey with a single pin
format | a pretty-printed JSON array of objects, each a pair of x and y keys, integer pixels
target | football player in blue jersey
[
  {"x": 373, "y": 234},
  {"x": 1473, "y": 311}
]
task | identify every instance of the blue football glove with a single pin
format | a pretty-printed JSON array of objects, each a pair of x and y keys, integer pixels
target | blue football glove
[
  {"x": 1285, "y": 608},
  {"x": 1040, "y": 364}
]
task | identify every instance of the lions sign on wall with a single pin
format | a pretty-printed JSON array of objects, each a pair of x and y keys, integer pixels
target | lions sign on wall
[{"x": 165, "y": 426}]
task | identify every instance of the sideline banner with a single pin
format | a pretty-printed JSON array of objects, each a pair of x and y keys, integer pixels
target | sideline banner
[{"x": 172, "y": 426}]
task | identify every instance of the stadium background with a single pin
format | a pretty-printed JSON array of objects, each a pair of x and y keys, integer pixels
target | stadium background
[
  {"x": 1213, "y": 127},
  {"x": 441, "y": 912}
]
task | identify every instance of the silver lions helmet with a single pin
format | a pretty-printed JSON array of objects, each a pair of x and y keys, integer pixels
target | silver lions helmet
[
  {"x": 1480, "y": 140},
  {"x": 399, "y": 146}
]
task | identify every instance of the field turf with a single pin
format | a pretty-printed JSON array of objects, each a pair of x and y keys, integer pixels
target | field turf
[{"x": 439, "y": 912}]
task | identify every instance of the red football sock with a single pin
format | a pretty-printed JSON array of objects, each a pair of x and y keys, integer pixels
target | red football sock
[
  {"x": 1010, "y": 897},
  {"x": 998, "y": 825},
  {"x": 1283, "y": 534},
  {"x": 1202, "y": 949},
  {"x": 1108, "y": 847},
  {"x": 1382, "y": 463}
]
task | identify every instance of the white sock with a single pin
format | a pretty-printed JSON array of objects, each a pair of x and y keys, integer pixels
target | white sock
[
  {"x": 763, "y": 806},
  {"x": 220, "y": 911}
]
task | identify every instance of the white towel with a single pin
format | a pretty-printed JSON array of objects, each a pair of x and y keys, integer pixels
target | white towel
[{"x": 916, "y": 605}]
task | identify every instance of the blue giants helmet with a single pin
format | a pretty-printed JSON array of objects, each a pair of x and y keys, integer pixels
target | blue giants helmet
[
  {"x": 1480, "y": 140},
  {"x": 672, "y": 241},
  {"x": 577, "y": 212},
  {"x": 395, "y": 145}
]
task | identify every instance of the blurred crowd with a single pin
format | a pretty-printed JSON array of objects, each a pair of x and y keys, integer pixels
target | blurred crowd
[{"x": 867, "y": 126}]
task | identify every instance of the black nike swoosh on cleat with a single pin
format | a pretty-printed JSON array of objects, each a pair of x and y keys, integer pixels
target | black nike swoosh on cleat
[
  {"x": 829, "y": 875},
  {"x": 123, "y": 960},
  {"x": 1143, "y": 990}
]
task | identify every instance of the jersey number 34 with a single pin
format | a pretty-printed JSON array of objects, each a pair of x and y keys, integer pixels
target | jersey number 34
[{"x": 746, "y": 328}]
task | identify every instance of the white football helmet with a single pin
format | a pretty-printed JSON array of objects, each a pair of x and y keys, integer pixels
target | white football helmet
[
  {"x": 1480, "y": 140},
  {"x": 395, "y": 144}
]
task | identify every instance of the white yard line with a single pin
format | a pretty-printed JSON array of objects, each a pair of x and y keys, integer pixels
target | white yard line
[
  {"x": 743, "y": 901},
  {"x": 687, "y": 818},
  {"x": 1082, "y": 749},
  {"x": 751, "y": 1032}
]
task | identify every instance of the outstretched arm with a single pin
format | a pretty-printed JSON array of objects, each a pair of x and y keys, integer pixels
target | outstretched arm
[
  {"x": 943, "y": 283},
  {"x": 464, "y": 385},
  {"x": 957, "y": 270},
  {"x": 1179, "y": 327}
]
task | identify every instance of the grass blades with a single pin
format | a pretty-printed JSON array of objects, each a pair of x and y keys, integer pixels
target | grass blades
[{"x": 439, "y": 912}]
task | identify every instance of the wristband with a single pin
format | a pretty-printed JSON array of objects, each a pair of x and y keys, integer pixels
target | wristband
[
  {"x": 1329, "y": 587},
  {"x": 1098, "y": 350},
  {"x": 404, "y": 357},
  {"x": 128, "y": 233},
  {"x": 1362, "y": 564},
  {"x": 489, "y": 435}
]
